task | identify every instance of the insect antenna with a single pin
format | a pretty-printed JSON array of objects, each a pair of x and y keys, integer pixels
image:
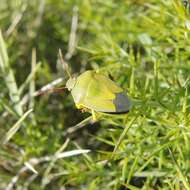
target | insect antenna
[{"x": 64, "y": 64}]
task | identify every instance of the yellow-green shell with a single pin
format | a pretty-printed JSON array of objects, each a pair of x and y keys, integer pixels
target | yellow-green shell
[{"x": 97, "y": 92}]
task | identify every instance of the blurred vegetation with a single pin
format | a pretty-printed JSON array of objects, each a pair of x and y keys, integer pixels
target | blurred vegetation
[{"x": 144, "y": 45}]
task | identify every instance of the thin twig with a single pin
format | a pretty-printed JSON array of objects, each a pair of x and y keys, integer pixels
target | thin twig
[
  {"x": 41, "y": 9},
  {"x": 37, "y": 21},
  {"x": 46, "y": 88}
]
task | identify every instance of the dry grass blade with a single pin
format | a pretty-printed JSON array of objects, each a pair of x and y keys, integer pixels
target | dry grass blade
[
  {"x": 72, "y": 37},
  {"x": 16, "y": 19},
  {"x": 30, "y": 167},
  {"x": 71, "y": 153},
  {"x": 31, "y": 76},
  {"x": 32, "y": 82},
  {"x": 16, "y": 127},
  {"x": 9, "y": 77},
  {"x": 34, "y": 161}
]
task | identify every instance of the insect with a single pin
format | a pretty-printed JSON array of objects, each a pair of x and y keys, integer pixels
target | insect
[{"x": 94, "y": 92}]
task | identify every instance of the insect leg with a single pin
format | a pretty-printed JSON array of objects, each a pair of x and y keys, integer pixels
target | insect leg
[{"x": 93, "y": 115}]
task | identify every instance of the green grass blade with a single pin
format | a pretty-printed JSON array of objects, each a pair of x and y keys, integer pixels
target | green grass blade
[
  {"x": 180, "y": 173},
  {"x": 122, "y": 137},
  {"x": 16, "y": 127},
  {"x": 9, "y": 77}
]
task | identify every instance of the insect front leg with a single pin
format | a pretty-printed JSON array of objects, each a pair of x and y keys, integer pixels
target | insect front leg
[
  {"x": 94, "y": 118},
  {"x": 79, "y": 106}
]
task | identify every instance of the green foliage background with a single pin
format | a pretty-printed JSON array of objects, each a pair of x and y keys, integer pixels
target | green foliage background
[{"x": 145, "y": 46}]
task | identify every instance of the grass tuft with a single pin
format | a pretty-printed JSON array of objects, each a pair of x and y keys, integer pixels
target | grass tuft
[{"x": 48, "y": 144}]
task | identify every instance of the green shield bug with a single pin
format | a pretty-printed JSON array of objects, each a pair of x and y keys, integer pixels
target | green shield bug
[{"x": 95, "y": 92}]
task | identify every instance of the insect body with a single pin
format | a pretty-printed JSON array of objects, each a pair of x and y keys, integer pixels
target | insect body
[{"x": 96, "y": 92}]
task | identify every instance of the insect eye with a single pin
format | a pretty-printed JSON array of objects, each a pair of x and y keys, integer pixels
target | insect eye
[{"x": 71, "y": 83}]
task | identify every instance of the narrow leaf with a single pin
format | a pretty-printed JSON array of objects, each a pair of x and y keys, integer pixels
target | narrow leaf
[{"x": 16, "y": 127}]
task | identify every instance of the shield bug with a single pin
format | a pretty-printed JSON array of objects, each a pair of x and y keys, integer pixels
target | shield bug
[{"x": 95, "y": 92}]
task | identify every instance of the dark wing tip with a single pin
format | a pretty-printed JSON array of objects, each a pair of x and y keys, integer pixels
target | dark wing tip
[{"x": 122, "y": 103}]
